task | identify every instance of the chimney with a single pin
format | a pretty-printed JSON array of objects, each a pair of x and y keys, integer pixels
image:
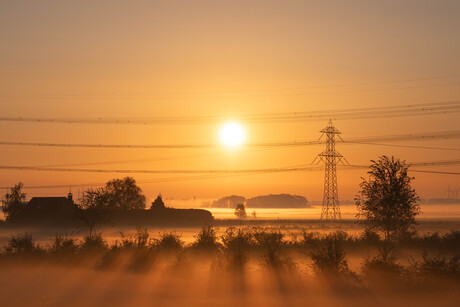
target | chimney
[{"x": 69, "y": 197}]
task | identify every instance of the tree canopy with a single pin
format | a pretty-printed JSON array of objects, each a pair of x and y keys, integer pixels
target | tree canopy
[
  {"x": 117, "y": 194},
  {"x": 124, "y": 194},
  {"x": 240, "y": 211},
  {"x": 14, "y": 202},
  {"x": 387, "y": 202}
]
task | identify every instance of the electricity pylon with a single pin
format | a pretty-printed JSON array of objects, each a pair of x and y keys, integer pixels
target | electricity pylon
[{"x": 330, "y": 157}]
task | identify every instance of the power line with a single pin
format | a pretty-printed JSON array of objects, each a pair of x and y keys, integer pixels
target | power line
[
  {"x": 405, "y": 146},
  {"x": 145, "y": 171},
  {"x": 209, "y": 171},
  {"x": 412, "y": 164},
  {"x": 434, "y": 172},
  {"x": 444, "y": 135},
  {"x": 212, "y": 176},
  {"x": 338, "y": 114}
]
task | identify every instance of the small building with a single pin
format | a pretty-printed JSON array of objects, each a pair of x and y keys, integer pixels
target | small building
[
  {"x": 51, "y": 203},
  {"x": 50, "y": 210}
]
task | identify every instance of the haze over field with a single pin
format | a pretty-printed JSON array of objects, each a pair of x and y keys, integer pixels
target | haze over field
[{"x": 229, "y": 153}]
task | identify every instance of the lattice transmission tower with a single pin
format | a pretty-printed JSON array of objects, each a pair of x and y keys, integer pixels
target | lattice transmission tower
[{"x": 330, "y": 157}]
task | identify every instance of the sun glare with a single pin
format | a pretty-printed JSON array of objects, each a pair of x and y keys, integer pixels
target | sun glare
[{"x": 232, "y": 134}]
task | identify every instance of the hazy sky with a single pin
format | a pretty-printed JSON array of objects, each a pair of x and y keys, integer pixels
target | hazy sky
[{"x": 146, "y": 59}]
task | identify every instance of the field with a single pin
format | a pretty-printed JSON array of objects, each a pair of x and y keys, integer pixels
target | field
[{"x": 275, "y": 263}]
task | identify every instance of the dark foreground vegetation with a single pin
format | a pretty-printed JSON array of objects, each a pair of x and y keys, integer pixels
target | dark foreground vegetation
[{"x": 435, "y": 267}]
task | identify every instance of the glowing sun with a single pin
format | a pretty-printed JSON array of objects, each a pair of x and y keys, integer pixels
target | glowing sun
[{"x": 232, "y": 134}]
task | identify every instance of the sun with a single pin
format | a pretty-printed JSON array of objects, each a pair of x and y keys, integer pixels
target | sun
[{"x": 232, "y": 134}]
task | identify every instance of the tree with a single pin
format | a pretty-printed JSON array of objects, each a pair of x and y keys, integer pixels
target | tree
[
  {"x": 14, "y": 202},
  {"x": 240, "y": 211},
  {"x": 92, "y": 204},
  {"x": 387, "y": 201},
  {"x": 158, "y": 203},
  {"x": 124, "y": 194}
]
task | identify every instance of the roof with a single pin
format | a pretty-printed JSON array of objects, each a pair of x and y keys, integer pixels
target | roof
[{"x": 49, "y": 201}]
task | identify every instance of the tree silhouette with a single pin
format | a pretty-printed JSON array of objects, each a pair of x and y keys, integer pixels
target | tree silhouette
[
  {"x": 387, "y": 201},
  {"x": 240, "y": 211},
  {"x": 158, "y": 203},
  {"x": 124, "y": 194},
  {"x": 92, "y": 204},
  {"x": 14, "y": 202}
]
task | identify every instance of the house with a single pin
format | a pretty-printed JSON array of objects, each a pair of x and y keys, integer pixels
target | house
[
  {"x": 51, "y": 203},
  {"x": 50, "y": 210}
]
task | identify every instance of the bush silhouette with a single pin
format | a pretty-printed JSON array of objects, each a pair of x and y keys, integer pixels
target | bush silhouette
[
  {"x": 64, "y": 246},
  {"x": 236, "y": 244},
  {"x": 330, "y": 258},
  {"x": 206, "y": 239},
  {"x": 272, "y": 242},
  {"x": 169, "y": 241},
  {"x": 439, "y": 267},
  {"x": 94, "y": 243},
  {"x": 23, "y": 244},
  {"x": 383, "y": 272}
]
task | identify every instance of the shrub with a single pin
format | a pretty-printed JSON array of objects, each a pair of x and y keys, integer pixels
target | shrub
[
  {"x": 437, "y": 267},
  {"x": 272, "y": 241},
  {"x": 141, "y": 238},
  {"x": 370, "y": 236},
  {"x": 330, "y": 257},
  {"x": 236, "y": 245},
  {"x": 206, "y": 239},
  {"x": 64, "y": 246},
  {"x": 169, "y": 241},
  {"x": 94, "y": 243},
  {"x": 432, "y": 240},
  {"x": 22, "y": 244},
  {"x": 383, "y": 271},
  {"x": 310, "y": 239},
  {"x": 451, "y": 240}
]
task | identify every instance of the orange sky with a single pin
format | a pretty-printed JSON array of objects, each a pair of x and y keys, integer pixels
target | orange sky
[{"x": 223, "y": 58}]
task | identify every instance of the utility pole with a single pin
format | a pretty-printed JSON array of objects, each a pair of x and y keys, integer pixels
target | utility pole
[{"x": 330, "y": 157}]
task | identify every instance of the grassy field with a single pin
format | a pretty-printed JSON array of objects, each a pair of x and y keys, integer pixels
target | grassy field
[{"x": 271, "y": 265}]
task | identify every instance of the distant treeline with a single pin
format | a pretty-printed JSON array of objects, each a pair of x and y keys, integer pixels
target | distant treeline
[{"x": 264, "y": 201}]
